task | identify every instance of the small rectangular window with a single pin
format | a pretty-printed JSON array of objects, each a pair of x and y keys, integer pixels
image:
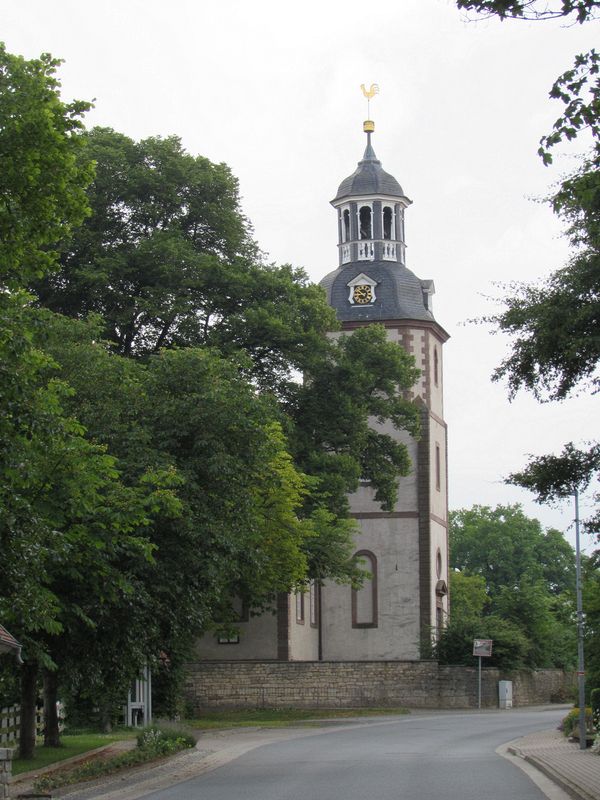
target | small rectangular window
[
  {"x": 438, "y": 468},
  {"x": 313, "y": 604},
  {"x": 228, "y": 639}
]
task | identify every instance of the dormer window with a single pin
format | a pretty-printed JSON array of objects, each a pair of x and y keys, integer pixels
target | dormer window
[
  {"x": 365, "y": 222},
  {"x": 362, "y": 290},
  {"x": 388, "y": 222}
]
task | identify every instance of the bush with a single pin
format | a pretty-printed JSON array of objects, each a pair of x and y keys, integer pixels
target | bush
[
  {"x": 455, "y": 645},
  {"x": 164, "y": 739},
  {"x": 570, "y": 722},
  {"x": 595, "y": 704}
]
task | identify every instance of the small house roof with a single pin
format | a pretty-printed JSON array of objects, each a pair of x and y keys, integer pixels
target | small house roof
[{"x": 8, "y": 643}]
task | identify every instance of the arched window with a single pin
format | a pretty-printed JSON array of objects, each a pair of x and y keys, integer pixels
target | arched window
[
  {"x": 364, "y": 600},
  {"x": 300, "y": 607},
  {"x": 365, "y": 224},
  {"x": 346, "y": 225},
  {"x": 388, "y": 220}
]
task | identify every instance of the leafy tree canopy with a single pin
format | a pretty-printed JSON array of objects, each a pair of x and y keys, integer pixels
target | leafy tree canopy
[
  {"x": 166, "y": 258},
  {"x": 580, "y": 10},
  {"x": 43, "y": 173},
  {"x": 553, "y": 325},
  {"x": 163, "y": 356},
  {"x": 510, "y": 580},
  {"x": 503, "y": 546}
]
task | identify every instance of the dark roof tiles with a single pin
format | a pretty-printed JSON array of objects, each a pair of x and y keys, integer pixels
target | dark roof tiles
[
  {"x": 399, "y": 294},
  {"x": 369, "y": 178}
]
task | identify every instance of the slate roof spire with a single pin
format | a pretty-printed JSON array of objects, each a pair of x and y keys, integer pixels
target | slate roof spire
[{"x": 369, "y": 178}]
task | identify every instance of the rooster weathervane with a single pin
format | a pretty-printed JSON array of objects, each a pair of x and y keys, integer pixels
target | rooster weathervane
[{"x": 369, "y": 94}]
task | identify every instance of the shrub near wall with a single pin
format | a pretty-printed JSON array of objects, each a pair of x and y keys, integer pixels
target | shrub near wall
[{"x": 361, "y": 684}]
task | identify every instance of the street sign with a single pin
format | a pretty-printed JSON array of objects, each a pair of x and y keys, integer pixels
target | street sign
[{"x": 482, "y": 647}]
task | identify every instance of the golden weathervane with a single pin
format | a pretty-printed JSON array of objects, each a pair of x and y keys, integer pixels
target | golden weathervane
[{"x": 369, "y": 125}]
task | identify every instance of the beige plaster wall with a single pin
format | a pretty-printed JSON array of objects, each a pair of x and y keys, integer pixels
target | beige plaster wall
[
  {"x": 304, "y": 638},
  {"x": 363, "y": 500},
  {"x": 439, "y": 497},
  {"x": 394, "y": 542},
  {"x": 258, "y": 640},
  {"x": 436, "y": 393}
]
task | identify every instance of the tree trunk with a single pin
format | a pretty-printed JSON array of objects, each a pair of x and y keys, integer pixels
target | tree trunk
[
  {"x": 106, "y": 718},
  {"x": 51, "y": 731},
  {"x": 29, "y": 672}
]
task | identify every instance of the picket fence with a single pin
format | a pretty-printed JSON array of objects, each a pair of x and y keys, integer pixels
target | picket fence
[{"x": 10, "y": 720}]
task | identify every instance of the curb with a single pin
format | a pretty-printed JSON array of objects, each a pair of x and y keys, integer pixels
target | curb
[{"x": 567, "y": 786}]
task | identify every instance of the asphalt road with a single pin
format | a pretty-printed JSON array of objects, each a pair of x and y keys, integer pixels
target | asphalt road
[{"x": 430, "y": 757}]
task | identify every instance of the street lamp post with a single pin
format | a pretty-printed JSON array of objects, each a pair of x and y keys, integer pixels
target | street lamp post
[{"x": 580, "y": 662}]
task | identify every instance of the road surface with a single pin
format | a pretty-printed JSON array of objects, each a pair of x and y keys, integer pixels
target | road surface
[{"x": 421, "y": 757}]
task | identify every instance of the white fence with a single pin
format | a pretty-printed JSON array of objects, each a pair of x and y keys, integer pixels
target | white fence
[{"x": 10, "y": 721}]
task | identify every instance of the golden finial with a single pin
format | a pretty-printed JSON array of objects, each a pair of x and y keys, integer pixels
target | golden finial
[{"x": 369, "y": 125}]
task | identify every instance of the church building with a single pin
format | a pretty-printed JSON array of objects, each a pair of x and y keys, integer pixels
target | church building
[{"x": 405, "y": 550}]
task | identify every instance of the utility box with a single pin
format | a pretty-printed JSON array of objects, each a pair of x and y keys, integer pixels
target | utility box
[{"x": 505, "y": 694}]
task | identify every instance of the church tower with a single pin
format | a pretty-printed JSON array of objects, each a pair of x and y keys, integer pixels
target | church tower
[{"x": 406, "y": 549}]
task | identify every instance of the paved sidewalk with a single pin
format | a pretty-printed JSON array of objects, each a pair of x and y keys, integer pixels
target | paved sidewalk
[{"x": 574, "y": 770}]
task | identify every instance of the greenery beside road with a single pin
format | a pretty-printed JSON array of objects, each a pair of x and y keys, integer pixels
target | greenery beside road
[
  {"x": 154, "y": 742},
  {"x": 72, "y": 744},
  {"x": 512, "y": 582},
  {"x": 281, "y": 717}
]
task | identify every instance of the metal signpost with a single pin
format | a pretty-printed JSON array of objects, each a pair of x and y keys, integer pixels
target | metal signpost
[
  {"x": 482, "y": 648},
  {"x": 580, "y": 662}
]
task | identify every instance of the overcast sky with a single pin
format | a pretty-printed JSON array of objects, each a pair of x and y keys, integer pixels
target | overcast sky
[{"x": 272, "y": 89}]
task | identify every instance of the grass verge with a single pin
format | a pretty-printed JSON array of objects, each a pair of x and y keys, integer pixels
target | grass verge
[
  {"x": 153, "y": 743},
  {"x": 281, "y": 717},
  {"x": 73, "y": 745}
]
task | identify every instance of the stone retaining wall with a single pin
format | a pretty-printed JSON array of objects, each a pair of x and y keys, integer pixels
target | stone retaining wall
[
  {"x": 6, "y": 754},
  {"x": 359, "y": 684}
]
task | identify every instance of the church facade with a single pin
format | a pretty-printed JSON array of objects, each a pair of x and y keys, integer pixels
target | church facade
[{"x": 405, "y": 550}]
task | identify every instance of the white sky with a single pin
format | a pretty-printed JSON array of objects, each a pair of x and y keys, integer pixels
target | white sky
[{"x": 272, "y": 89}]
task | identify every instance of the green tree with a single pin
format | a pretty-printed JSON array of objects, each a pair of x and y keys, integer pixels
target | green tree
[
  {"x": 469, "y": 596},
  {"x": 511, "y": 575},
  {"x": 166, "y": 258},
  {"x": 591, "y": 603},
  {"x": 554, "y": 347},
  {"x": 241, "y": 532},
  {"x": 42, "y": 197},
  {"x": 43, "y": 173},
  {"x": 202, "y": 377},
  {"x": 66, "y": 519},
  {"x": 510, "y": 648},
  {"x": 363, "y": 379},
  {"x": 503, "y": 545},
  {"x": 227, "y": 298},
  {"x": 576, "y": 10},
  {"x": 553, "y": 325}
]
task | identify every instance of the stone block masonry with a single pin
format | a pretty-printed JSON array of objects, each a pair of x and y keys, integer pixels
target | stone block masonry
[
  {"x": 6, "y": 754},
  {"x": 362, "y": 684}
]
